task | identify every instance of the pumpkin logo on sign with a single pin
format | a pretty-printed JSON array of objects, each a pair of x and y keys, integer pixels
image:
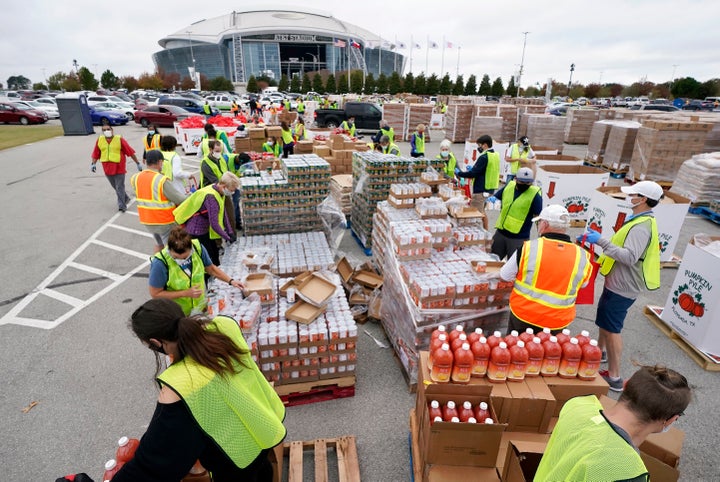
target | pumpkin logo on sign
[
  {"x": 691, "y": 304},
  {"x": 576, "y": 204}
]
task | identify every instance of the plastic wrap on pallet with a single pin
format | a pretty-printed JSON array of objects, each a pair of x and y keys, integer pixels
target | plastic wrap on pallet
[
  {"x": 698, "y": 178},
  {"x": 620, "y": 143}
]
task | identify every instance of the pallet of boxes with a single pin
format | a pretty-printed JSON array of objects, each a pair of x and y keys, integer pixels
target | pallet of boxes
[
  {"x": 338, "y": 151},
  {"x": 489, "y": 417}
]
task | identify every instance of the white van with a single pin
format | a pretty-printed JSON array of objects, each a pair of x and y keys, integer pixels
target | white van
[{"x": 269, "y": 90}]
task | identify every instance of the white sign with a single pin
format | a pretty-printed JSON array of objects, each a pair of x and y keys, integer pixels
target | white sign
[{"x": 570, "y": 186}]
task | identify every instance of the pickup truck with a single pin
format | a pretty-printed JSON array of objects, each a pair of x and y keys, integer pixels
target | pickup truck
[{"x": 367, "y": 116}]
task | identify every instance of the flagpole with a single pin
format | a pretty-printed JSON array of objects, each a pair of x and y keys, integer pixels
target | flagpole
[
  {"x": 348, "y": 64},
  {"x": 395, "y": 55},
  {"x": 457, "y": 71},
  {"x": 427, "y": 53},
  {"x": 379, "y": 57},
  {"x": 412, "y": 47},
  {"x": 442, "y": 62}
]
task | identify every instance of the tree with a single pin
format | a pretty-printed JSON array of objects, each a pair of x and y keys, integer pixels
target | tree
[
  {"x": 204, "y": 81},
  {"x": 408, "y": 84},
  {"x": 433, "y": 85},
  {"x": 39, "y": 86},
  {"x": 266, "y": 80},
  {"x": 284, "y": 83},
  {"x": 87, "y": 79},
  {"x": 342, "y": 84},
  {"x": 446, "y": 85},
  {"x": 420, "y": 84},
  {"x": 459, "y": 87},
  {"x": 71, "y": 83},
  {"x": 660, "y": 91},
  {"x": 170, "y": 79},
  {"x": 306, "y": 85},
  {"x": 485, "y": 87},
  {"x": 577, "y": 91},
  {"x": 471, "y": 86},
  {"x": 511, "y": 88},
  {"x": 497, "y": 88},
  {"x": 151, "y": 81},
  {"x": 615, "y": 89},
  {"x": 295, "y": 84},
  {"x": 186, "y": 83},
  {"x": 317, "y": 84},
  {"x": 592, "y": 90},
  {"x": 130, "y": 83},
  {"x": 532, "y": 91},
  {"x": 18, "y": 82},
  {"x": 252, "y": 86},
  {"x": 394, "y": 84},
  {"x": 709, "y": 88},
  {"x": 55, "y": 80},
  {"x": 356, "y": 82},
  {"x": 220, "y": 84},
  {"x": 381, "y": 86},
  {"x": 330, "y": 85},
  {"x": 683, "y": 87},
  {"x": 109, "y": 80},
  {"x": 369, "y": 84}
]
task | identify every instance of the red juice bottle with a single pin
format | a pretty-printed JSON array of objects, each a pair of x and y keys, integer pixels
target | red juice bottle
[
  {"x": 449, "y": 411},
  {"x": 583, "y": 338},
  {"x": 437, "y": 331},
  {"x": 511, "y": 339},
  {"x": 442, "y": 365},
  {"x": 536, "y": 353},
  {"x": 482, "y": 412},
  {"x": 544, "y": 335},
  {"x": 435, "y": 344},
  {"x": 475, "y": 336},
  {"x": 126, "y": 449},
  {"x": 499, "y": 363},
  {"x": 456, "y": 332},
  {"x": 494, "y": 339},
  {"x": 551, "y": 361},
  {"x": 462, "y": 364},
  {"x": 434, "y": 410},
  {"x": 466, "y": 412},
  {"x": 112, "y": 467},
  {"x": 527, "y": 336},
  {"x": 590, "y": 363},
  {"x": 571, "y": 356},
  {"x": 563, "y": 337},
  {"x": 519, "y": 357},
  {"x": 481, "y": 356},
  {"x": 458, "y": 342}
]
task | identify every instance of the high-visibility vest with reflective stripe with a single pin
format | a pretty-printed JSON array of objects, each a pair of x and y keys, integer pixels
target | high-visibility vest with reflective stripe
[
  {"x": 154, "y": 142},
  {"x": 240, "y": 411},
  {"x": 193, "y": 204},
  {"x": 419, "y": 143},
  {"x": 152, "y": 205},
  {"x": 287, "y": 137},
  {"x": 207, "y": 109},
  {"x": 218, "y": 168},
  {"x": 492, "y": 171},
  {"x": 300, "y": 133},
  {"x": 550, "y": 273},
  {"x": 167, "y": 167},
  {"x": 584, "y": 446},
  {"x": 179, "y": 280},
  {"x": 515, "y": 210},
  {"x": 650, "y": 258},
  {"x": 391, "y": 149},
  {"x": 218, "y": 137},
  {"x": 301, "y": 107},
  {"x": 451, "y": 162},
  {"x": 347, "y": 127},
  {"x": 390, "y": 132},
  {"x": 110, "y": 151},
  {"x": 274, "y": 149},
  {"x": 516, "y": 156}
]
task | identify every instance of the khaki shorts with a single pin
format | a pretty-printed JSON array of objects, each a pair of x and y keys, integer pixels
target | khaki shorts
[{"x": 478, "y": 202}]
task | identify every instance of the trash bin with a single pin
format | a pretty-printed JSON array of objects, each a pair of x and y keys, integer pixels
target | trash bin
[{"x": 74, "y": 114}]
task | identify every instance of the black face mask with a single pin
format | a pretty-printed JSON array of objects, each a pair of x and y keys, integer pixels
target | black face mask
[{"x": 522, "y": 187}]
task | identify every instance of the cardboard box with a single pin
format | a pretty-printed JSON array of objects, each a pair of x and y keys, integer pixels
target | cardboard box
[
  {"x": 336, "y": 142},
  {"x": 260, "y": 283},
  {"x": 303, "y": 312},
  {"x": 316, "y": 290},
  {"x": 531, "y": 407},
  {"x": 557, "y": 160},
  {"x": 256, "y": 133},
  {"x": 242, "y": 144},
  {"x": 570, "y": 186},
  {"x": 540, "y": 438},
  {"x": 609, "y": 208},
  {"x": 368, "y": 279},
  {"x": 321, "y": 150},
  {"x": 450, "y": 473},
  {"x": 522, "y": 460},
  {"x": 274, "y": 131},
  {"x": 563, "y": 389}
]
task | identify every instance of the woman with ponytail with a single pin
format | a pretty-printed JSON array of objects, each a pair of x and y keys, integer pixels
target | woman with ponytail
[{"x": 214, "y": 406}]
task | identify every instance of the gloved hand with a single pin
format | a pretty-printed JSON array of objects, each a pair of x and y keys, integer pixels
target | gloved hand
[
  {"x": 592, "y": 236},
  {"x": 93, "y": 167},
  {"x": 492, "y": 199},
  {"x": 139, "y": 166},
  {"x": 457, "y": 171}
]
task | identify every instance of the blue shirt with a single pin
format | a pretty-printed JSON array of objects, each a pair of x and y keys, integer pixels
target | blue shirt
[{"x": 159, "y": 271}]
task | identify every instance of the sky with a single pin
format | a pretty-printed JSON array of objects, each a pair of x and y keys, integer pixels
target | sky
[{"x": 610, "y": 41}]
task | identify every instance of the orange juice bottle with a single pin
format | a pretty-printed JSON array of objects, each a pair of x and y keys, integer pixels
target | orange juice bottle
[
  {"x": 544, "y": 335},
  {"x": 458, "y": 342},
  {"x": 437, "y": 331},
  {"x": 449, "y": 411},
  {"x": 462, "y": 364},
  {"x": 434, "y": 410},
  {"x": 571, "y": 356},
  {"x": 536, "y": 353},
  {"x": 442, "y": 365},
  {"x": 466, "y": 412},
  {"x": 590, "y": 363},
  {"x": 481, "y": 356},
  {"x": 435, "y": 344},
  {"x": 499, "y": 363},
  {"x": 527, "y": 336},
  {"x": 518, "y": 362},
  {"x": 126, "y": 449},
  {"x": 112, "y": 467},
  {"x": 551, "y": 362},
  {"x": 456, "y": 332},
  {"x": 475, "y": 336}
]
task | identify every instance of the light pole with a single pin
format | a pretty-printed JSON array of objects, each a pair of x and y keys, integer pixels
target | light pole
[
  {"x": 315, "y": 60},
  {"x": 192, "y": 56},
  {"x": 572, "y": 69},
  {"x": 522, "y": 63}
]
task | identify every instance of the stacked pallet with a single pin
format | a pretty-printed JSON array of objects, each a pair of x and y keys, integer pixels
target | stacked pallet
[
  {"x": 620, "y": 144},
  {"x": 492, "y": 126},
  {"x": 341, "y": 191},
  {"x": 419, "y": 114},
  {"x": 458, "y": 120},
  {"x": 546, "y": 130},
  {"x": 579, "y": 125},
  {"x": 337, "y": 150},
  {"x": 396, "y": 114},
  {"x": 597, "y": 143},
  {"x": 698, "y": 179},
  {"x": 662, "y": 146},
  {"x": 509, "y": 113}
]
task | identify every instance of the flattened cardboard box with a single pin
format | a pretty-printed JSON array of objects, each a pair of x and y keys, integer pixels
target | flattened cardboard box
[
  {"x": 522, "y": 460},
  {"x": 316, "y": 290}
]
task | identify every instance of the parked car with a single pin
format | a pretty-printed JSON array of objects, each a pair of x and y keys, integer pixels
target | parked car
[
  {"x": 98, "y": 99},
  {"x": 47, "y": 101},
  {"x": 14, "y": 113},
  {"x": 618, "y": 102},
  {"x": 129, "y": 113},
  {"x": 657, "y": 107},
  {"x": 367, "y": 116},
  {"x": 186, "y": 103},
  {"x": 104, "y": 116},
  {"x": 221, "y": 101},
  {"x": 51, "y": 111},
  {"x": 161, "y": 115}
]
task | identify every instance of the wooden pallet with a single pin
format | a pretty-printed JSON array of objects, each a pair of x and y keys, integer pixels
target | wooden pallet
[
  {"x": 343, "y": 449},
  {"x": 673, "y": 263},
  {"x": 706, "y": 213},
  {"x": 416, "y": 462},
  {"x": 697, "y": 356},
  {"x": 316, "y": 391},
  {"x": 578, "y": 223}
]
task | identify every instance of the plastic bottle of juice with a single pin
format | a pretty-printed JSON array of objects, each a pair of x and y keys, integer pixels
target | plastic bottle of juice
[
  {"x": 456, "y": 332},
  {"x": 112, "y": 467},
  {"x": 126, "y": 449},
  {"x": 466, "y": 412},
  {"x": 518, "y": 362},
  {"x": 499, "y": 363},
  {"x": 511, "y": 339},
  {"x": 462, "y": 364},
  {"x": 494, "y": 339},
  {"x": 471, "y": 420},
  {"x": 563, "y": 337},
  {"x": 449, "y": 411},
  {"x": 482, "y": 412},
  {"x": 590, "y": 363},
  {"x": 475, "y": 336},
  {"x": 434, "y": 410},
  {"x": 481, "y": 356},
  {"x": 544, "y": 335},
  {"x": 458, "y": 342},
  {"x": 197, "y": 474},
  {"x": 583, "y": 338},
  {"x": 435, "y": 343},
  {"x": 527, "y": 336},
  {"x": 437, "y": 419},
  {"x": 437, "y": 331},
  {"x": 572, "y": 354},
  {"x": 442, "y": 365},
  {"x": 551, "y": 361},
  {"x": 488, "y": 421},
  {"x": 536, "y": 353},
  {"x": 455, "y": 420}
]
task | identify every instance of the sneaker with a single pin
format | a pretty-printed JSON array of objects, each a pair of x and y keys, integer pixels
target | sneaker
[
  {"x": 615, "y": 385},
  {"x": 603, "y": 359}
]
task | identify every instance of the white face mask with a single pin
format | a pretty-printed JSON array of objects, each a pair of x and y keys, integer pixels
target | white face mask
[
  {"x": 270, "y": 143},
  {"x": 108, "y": 133},
  {"x": 228, "y": 192},
  {"x": 444, "y": 153}
]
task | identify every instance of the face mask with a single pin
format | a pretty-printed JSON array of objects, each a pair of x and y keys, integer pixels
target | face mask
[
  {"x": 444, "y": 153},
  {"x": 480, "y": 150},
  {"x": 270, "y": 143},
  {"x": 108, "y": 133},
  {"x": 150, "y": 133},
  {"x": 217, "y": 154},
  {"x": 522, "y": 187},
  {"x": 227, "y": 192}
]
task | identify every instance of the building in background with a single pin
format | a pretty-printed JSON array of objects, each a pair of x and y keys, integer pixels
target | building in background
[{"x": 274, "y": 42}]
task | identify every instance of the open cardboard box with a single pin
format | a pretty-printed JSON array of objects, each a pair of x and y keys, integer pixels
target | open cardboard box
[
  {"x": 345, "y": 270},
  {"x": 316, "y": 290},
  {"x": 522, "y": 460},
  {"x": 303, "y": 312},
  {"x": 368, "y": 279},
  {"x": 539, "y": 438},
  {"x": 260, "y": 283}
]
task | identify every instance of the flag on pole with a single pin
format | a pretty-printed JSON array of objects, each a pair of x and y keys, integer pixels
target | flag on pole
[
  {"x": 432, "y": 45},
  {"x": 354, "y": 44},
  {"x": 401, "y": 45},
  {"x": 417, "y": 45},
  {"x": 370, "y": 44},
  {"x": 449, "y": 45},
  {"x": 339, "y": 43}
]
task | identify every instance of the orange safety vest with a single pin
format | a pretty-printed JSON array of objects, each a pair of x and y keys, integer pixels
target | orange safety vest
[
  {"x": 154, "y": 142},
  {"x": 152, "y": 205},
  {"x": 550, "y": 273}
]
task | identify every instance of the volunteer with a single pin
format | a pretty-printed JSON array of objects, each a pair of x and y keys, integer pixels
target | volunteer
[
  {"x": 388, "y": 147},
  {"x": 417, "y": 142},
  {"x": 448, "y": 158},
  {"x": 300, "y": 108},
  {"x": 234, "y": 108},
  {"x": 548, "y": 273},
  {"x": 112, "y": 150},
  {"x": 300, "y": 132},
  {"x": 151, "y": 141},
  {"x": 485, "y": 174},
  {"x": 519, "y": 153},
  {"x": 349, "y": 125},
  {"x": 206, "y": 217},
  {"x": 156, "y": 199},
  {"x": 589, "y": 443},
  {"x": 214, "y": 404},
  {"x": 385, "y": 130},
  {"x": 207, "y": 110},
  {"x": 213, "y": 164},
  {"x": 630, "y": 263},
  {"x": 210, "y": 134},
  {"x": 179, "y": 270},
  {"x": 287, "y": 138},
  {"x": 272, "y": 146},
  {"x": 172, "y": 165},
  {"x": 521, "y": 202}
]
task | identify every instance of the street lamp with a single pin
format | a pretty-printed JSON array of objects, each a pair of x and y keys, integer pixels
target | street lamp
[
  {"x": 572, "y": 69},
  {"x": 192, "y": 56},
  {"x": 315, "y": 60},
  {"x": 522, "y": 64}
]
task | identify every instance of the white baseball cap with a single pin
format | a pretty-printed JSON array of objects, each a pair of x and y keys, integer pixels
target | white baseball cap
[
  {"x": 553, "y": 213},
  {"x": 525, "y": 174},
  {"x": 649, "y": 189}
]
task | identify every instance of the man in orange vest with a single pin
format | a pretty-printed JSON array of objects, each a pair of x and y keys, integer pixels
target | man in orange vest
[
  {"x": 156, "y": 199},
  {"x": 548, "y": 273}
]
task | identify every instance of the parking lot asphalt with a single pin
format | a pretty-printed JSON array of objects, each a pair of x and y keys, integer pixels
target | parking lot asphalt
[{"x": 92, "y": 380}]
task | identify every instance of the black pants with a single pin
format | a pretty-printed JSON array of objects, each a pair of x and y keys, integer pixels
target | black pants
[
  {"x": 417, "y": 154},
  {"x": 504, "y": 246},
  {"x": 288, "y": 149},
  {"x": 515, "y": 323},
  {"x": 210, "y": 246}
]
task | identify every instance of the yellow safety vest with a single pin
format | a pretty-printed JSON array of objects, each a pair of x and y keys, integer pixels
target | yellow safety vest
[
  {"x": 194, "y": 202},
  {"x": 179, "y": 280},
  {"x": 153, "y": 206},
  {"x": 219, "y": 136},
  {"x": 515, "y": 210},
  {"x": 287, "y": 137},
  {"x": 389, "y": 132},
  {"x": 274, "y": 149},
  {"x": 345, "y": 126},
  {"x": 240, "y": 411},
  {"x": 301, "y": 107},
  {"x": 583, "y": 446},
  {"x": 516, "y": 157},
  {"x": 451, "y": 162},
  {"x": 206, "y": 109},
  {"x": 110, "y": 151},
  {"x": 419, "y": 143},
  {"x": 154, "y": 142},
  {"x": 550, "y": 273},
  {"x": 217, "y": 169},
  {"x": 492, "y": 171},
  {"x": 392, "y": 149},
  {"x": 650, "y": 258},
  {"x": 167, "y": 168}
]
